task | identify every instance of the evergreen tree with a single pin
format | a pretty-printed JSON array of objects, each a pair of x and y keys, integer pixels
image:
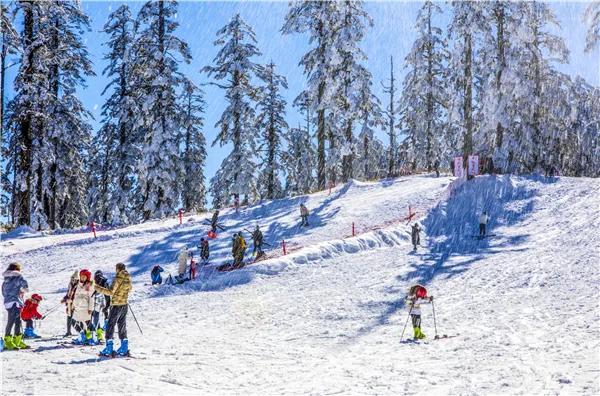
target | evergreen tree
[
  {"x": 423, "y": 94},
  {"x": 157, "y": 53},
  {"x": 390, "y": 113},
  {"x": 234, "y": 64},
  {"x": 592, "y": 20},
  {"x": 117, "y": 144},
  {"x": 271, "y": 123},
  {"x": 193, "y": 196},
  {"x": 299, "y": 162}
]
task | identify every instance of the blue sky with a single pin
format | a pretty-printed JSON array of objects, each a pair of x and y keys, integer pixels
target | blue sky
[{"x": 391, "y": 35}]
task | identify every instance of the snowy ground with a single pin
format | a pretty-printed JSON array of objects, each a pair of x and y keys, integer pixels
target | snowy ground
[{"x": 327, "y": 319}]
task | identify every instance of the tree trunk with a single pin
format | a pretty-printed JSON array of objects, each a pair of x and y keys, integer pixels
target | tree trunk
[
  {"x": 392, "y": 124},
  {"x": 499, "y": 13},
  {"x": 468, "y": 100}
]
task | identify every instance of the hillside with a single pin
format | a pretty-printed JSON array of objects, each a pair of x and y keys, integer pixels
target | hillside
[{"x": 327, "y": 318}]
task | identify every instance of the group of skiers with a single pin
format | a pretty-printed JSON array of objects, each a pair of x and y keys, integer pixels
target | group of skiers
[{"x": 85, "y": 301}]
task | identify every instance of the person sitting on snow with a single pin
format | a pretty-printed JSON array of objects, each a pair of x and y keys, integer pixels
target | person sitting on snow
[
  {"x": 155, "y": 275},
  {"x": 417, "y": 295},
  {"x": 30, "y": 313}
]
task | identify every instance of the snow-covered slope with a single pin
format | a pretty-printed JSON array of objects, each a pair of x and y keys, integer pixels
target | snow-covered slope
[{"x": 327, "y": 318}]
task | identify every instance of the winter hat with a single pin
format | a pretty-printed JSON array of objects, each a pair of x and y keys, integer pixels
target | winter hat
[
  {"x": 36, "y": 297},
  {"x": 86, "y": 273},
  {"x": 14, "y": 267},
  {"x": 120, "y": 267}
]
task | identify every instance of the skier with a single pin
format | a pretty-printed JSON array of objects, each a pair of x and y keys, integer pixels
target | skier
[
  {"x": 29, "y": 313},
  {"x": 214, "y": 221},
  {"x": 483, "y": 219},
  {"x": 304, "y": 215},
  {"x": 83, "y": 306},
  {"x": 236, "y": 202},
  {"x": 101, "y": 280},
  {"x": 192, "y": 267},
  {"x": 238, "y": 250},
  {"x": 182, "y": 259},
  {"x": 68, "y": 301},
  {"x": 119, "y": 293},
  {"x": 99, "y": 302},
  {"x": 416, "y": 235},
  {"x": 204, "y": 250},
  {"x": 257, "y": 238},
  {"x": 13, "y": 289},
  {"x": 155, "y": 275},
  {"x": 417, "y": 295}
]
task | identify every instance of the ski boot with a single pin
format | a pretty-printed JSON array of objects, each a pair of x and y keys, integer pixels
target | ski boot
[
  {"x": 421, "y": 335},
  {"x": 89, "y": 340},
  {"x": 123, "y": 348},
  {"x": 100, "y": 335},
  {"x": 9, "y": 343},
  {"x": 81, "y": 340},
  {"x": 30, "y": 333},
  {"x": 108, "y": 349},
  {"x": 18, "y": 341}
]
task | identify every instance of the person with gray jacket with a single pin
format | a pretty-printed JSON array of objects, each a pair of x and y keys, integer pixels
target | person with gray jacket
[{"x": 13, "y": 289}]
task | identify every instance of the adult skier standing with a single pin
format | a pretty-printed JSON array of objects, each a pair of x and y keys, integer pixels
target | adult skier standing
[
  {"x": 68, "y": 301},
  {"x": 182, "y": 261},
  {"x": 304, "y": 215},
  {"x": 238, "y": 249},
  {"x": 214, "y": 221},
  {"x": 483, "y": 219},
  {"x": 416, "y": 235},
  {"x": 204, "y": 249},
  {"x": 14, "y": 287},
  {"x": 119, "y": 293},
  {"x": 257, "y": 239},
  {"x": 83, "y": 306}
]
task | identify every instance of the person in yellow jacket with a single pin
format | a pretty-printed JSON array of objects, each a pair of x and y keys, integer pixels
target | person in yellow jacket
[{"x": 119, "y": 292}]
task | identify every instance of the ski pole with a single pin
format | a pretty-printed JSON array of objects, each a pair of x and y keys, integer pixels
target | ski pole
[
  {"x": 405, "y": 323},
  {"x": 136, "y": 321},
  {"x": 434, "y": 323},
  {"x": 51, "y": 310}
]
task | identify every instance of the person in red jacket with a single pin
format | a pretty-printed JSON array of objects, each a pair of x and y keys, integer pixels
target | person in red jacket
[{"x": 29, "y": 313}]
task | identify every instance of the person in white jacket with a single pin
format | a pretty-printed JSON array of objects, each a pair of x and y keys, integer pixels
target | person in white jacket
[
  {"x": 83, "y": 306},
  {"x": 483, "y": 219},
  {"x": 183, "y": 260}
]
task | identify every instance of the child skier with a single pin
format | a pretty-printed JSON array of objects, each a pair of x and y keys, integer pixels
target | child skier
[
  {"x": 417, "y": 295},
  {"x": 68, "y": 301},
  {"x": 83, "y": 307},
  {"x": 95, "y": 326},
  {"x": 14, "y": 287},
  {"x": 192, "y": 267},
  {"x": 29, "y": 313},
  {"x": 154, "y": 275},
  {"x": 204, "y": 250},
  {"x": 119, "y": 291},
  {"x": 101, "y": 280}
]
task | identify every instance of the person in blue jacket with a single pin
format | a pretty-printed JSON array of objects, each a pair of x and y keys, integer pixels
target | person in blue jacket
[{"x": 155, "y": 275}]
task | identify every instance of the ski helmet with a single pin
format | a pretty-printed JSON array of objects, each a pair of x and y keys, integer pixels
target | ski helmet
[
  {"x": 418, "y": 291},
  {"x": 86, "y": 273},
  {"x": 36, "y": 297}
]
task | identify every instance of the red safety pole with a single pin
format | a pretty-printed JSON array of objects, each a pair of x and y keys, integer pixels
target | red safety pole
[
  {"x": 283, "y": 246},
  {"x": 180, "y": 216},
  {"x": 94, "y": 229},
  {"x": 353, "y": 234}
]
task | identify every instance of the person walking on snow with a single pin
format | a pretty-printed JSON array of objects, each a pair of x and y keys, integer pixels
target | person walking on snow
[
  {"x": 304, "y": 215},
  {"x": 257, "y": 238},
  {"x": 417, "y": 295},
  {"x": 483, "y": 219},
  {"x": 416, "y": 235},
  {"x": 83, "y": 306},
  {"x": 68, "y": 301},
  {"x": 182, "y": 259},
  {"x": 119, "y": 292},
  {"x": 214, "y": 221},
  {"x": 204, "y": 250},
  {"x": 29, "y": 313},
  {"x": 14, "y": 287}
]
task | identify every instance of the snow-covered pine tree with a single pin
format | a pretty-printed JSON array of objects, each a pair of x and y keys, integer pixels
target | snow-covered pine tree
[
  {"x": 299, "y": 161},
  {"x": 536, "y": 48},
  {"x": 69, "y": 132},
  {"x": 390, "y": 89},
  {"x": 423, "y": 102},
  {"x": 591, "y": 18},
  {"x": 350, "y": 28},
  {"x": 467, "y": 23},
  {"x": 270, "y": 122},
  {"x": 193, "y": 194},
  {"x": 318, "y": 19},
  {"x": 235, "y": 66},
  {"x": 156, "y": 78},
  {"x": 116, "y": 146}
]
